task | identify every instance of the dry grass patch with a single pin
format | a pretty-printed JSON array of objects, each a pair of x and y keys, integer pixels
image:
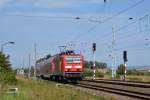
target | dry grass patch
[{"x": 47, "y": 90}]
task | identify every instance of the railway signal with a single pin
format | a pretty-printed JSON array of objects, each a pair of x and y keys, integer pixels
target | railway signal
[
  {"x": 125, "y": 56},
  {"x": 94, "y": 47}
]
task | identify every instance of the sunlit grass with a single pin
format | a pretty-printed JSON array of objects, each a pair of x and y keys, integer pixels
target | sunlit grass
[
  {"x": 47, "y": 90},
  {"x": 138, "y": 78}
]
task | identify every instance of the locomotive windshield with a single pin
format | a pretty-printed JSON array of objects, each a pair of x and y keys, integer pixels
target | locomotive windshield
[{"x": 73, "y": 60}]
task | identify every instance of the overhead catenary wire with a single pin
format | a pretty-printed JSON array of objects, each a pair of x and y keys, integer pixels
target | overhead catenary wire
[
  {"x": 104, "y": 44},
  {"x": 39, "y": 16},
  {"x": 131, "y": 46},
  {"x": 122, "y": 27},
  {"x": 104, "y": 39},
  {"x": 130, "y": 36},
  {"x": 92, "y": 28},
  {"x": 134, "y": 45},
  {"x": 107, "y": 19}
]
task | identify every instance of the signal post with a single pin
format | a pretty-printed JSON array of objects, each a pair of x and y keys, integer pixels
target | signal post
[
  {"x": 125, "y": 63},
  {"x": 94, "y": 67}
]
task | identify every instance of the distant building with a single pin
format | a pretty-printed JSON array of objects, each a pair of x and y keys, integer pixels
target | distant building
[
  {"x": 20, "y": 72},
  {"x": 146, "y": 69},
  {"x": 104, "y": 70}
]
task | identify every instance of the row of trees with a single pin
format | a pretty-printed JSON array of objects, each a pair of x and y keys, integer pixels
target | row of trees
[
  {"x": 89, "y": 64},
  {"x": 7, "y": 75}
]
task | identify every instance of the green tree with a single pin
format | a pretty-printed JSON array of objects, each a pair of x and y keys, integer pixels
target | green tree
[
  {"x": 87, "y": 64},
  {"x": 7, "y": 75},
  {"x": 4, "y": 61},
  {"x": 121, "y": 69},
  {"x": 100, "y": 64}
]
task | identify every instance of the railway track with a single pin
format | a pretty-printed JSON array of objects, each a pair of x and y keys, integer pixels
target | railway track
[
  {"x": 129, "y": 89},
  {"x": 125, "y": 83}
]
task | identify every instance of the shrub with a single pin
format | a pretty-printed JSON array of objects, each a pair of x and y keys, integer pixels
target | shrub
[
  {"x": 89, "y": 73},
  {"x": 136, "y": 72},
  {"x": 99, "y": 74},
  {"x": 7, "y": 76}
]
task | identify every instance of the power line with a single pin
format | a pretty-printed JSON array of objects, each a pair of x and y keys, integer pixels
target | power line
[
  {"x": 132, "y": 46},
  {"x": 109, "y": 18},
  {"x": 130, "y": 7},
  {"x": 52, "y": 17},
  {"x": 122, "y": 27},
  {"x": 122, "y": 39}
]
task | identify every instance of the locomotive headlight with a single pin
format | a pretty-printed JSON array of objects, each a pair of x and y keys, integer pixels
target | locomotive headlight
[
  {"x": 68, "y": 66},
  {"x": 78, "y": 66}
]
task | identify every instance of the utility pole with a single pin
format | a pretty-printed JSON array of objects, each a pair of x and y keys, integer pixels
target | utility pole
[
  {"x": 23, "y": 63},
  {"x": 29, "y": 73},
  {"x": 35, "y": 46},
  {"x": 113, "y": 55},
  {"x": 23, "y": 67},
  {"x": 94, "y": 68}
]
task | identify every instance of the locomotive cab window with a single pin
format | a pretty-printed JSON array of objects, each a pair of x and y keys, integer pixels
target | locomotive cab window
[{"x": 73, "y": 60}]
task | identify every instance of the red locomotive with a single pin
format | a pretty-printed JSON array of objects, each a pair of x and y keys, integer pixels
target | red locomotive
[{"x": 61, "y": 67}]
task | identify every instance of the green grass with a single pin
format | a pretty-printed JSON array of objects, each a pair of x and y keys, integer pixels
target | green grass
[{"x": 46, "y": 90}]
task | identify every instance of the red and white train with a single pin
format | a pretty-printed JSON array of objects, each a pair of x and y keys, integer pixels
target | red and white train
[{"x": 61, "y": 67}]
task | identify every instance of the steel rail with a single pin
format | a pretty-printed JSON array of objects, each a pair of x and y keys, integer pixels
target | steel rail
[
  {"x": 134, "y": 94},
  {"x": 125, "y": 83}
]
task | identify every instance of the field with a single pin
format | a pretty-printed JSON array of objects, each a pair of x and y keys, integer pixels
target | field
[
  {"x": 138, "y": 78},
  {"x": 45, "y": 90}
]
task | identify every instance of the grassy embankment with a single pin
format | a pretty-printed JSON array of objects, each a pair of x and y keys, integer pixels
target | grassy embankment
[{"x": 45, "y": 90}]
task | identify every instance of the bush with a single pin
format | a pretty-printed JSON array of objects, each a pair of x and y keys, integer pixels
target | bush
[
  {"x": 136, "y": 72},
  {"x": 99, "y": 74},
  {"x": 7, "y": 76},
  {"x": 118, "y": 76},
  {"x": 121, "y": 69},
  {"x": 89, "y": 73}
]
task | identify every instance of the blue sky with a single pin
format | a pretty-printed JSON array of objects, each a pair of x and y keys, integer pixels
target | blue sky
[{"x": 52, "y": 23}]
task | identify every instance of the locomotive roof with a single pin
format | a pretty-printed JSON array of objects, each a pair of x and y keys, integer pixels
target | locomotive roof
[
  {"x": 71, "y": 55},
  {"x": 58, "y": 55}
]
